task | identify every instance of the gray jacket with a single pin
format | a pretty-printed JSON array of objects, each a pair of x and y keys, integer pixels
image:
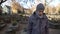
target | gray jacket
[{"x": 37, "y": 25}]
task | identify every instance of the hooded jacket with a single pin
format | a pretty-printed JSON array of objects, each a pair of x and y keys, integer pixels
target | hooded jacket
[{"x": 37, "y": 25}]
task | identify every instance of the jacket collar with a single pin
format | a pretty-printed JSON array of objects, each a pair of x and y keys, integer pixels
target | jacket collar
[{"x": 44, "y": 16}]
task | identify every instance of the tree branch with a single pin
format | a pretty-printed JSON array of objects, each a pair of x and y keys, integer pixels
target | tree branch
[{"x": 2, "y": 1}]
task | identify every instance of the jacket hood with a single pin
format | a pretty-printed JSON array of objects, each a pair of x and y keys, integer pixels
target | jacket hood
[{"x": 35, "y": 15}]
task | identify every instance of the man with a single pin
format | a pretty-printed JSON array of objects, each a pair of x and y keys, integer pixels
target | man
[{"x": 38, "y": 21}]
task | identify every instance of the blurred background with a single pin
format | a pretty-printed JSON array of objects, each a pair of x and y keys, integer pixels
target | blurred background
[{"x": 14, "y": 15}]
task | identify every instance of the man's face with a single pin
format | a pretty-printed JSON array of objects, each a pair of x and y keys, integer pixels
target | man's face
[{"x": 40, "y": 12}]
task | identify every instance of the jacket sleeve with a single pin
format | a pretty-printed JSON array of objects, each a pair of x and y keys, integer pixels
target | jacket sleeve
[
  {"x": 47, "y": 27},
  {"x": 29, "y": 28}
]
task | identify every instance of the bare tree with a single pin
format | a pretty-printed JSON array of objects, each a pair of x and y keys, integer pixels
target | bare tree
[
  {"x": 47, "y": 2},
  {"x": 2, "y": 1}
]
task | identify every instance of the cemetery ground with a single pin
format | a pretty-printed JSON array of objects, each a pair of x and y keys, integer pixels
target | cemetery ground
[{"x": 15, "y": 24}]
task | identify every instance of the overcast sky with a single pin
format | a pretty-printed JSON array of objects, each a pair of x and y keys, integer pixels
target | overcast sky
[{"x": 29, "y": 3}]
